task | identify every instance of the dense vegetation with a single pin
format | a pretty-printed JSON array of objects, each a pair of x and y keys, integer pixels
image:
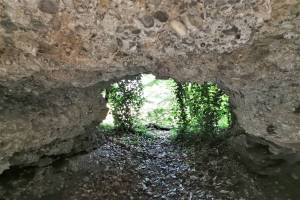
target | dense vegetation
[
  {"x": 188, "y": 108},
  {"x": 125, "y": 99},
  {"x": 201, "y": 109}
]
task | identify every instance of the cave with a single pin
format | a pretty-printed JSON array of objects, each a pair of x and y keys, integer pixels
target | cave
[{"x": 57, "y": 56}]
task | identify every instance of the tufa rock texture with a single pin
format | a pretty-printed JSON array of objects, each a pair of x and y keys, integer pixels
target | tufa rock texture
[{"x": 56, "y": 54}]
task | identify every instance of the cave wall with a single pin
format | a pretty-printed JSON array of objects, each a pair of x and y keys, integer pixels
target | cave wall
[
  {"x": 57, "y": 55},
  {"x": 37, "y": 126}
]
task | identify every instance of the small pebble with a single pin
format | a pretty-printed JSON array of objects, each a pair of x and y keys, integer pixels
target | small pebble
[
  {"x": 178, "y": 27},
  {"x": 161, "y": 16},
  {"x": 147, "y": 21},
  {"x": 8, "y": 62},
  {"x": 48, "y": 6}
]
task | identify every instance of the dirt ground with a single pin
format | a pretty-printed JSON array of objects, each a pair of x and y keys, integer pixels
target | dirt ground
[{"x": 136, "y": 167}]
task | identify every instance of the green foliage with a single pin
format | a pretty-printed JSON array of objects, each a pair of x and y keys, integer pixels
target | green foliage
[
  {"x": 106, "y": 128},
  {"x": 125, "y": 99},
  {"x": 180, "y": 109},
  {"x": 160, "y": 116},
  {"x": 139, "y": 127},
  {"x": 191, "y": 110},
  {"x": 200, "y": 109}
]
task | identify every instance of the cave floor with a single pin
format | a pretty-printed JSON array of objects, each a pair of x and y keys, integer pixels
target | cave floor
[{"x": 135, "y": 167}]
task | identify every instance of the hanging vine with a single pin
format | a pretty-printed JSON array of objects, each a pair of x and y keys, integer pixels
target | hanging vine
[{"x": 200, "y": 108}]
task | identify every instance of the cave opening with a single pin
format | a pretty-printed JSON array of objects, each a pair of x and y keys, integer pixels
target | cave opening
[{"x": 150, "y": 106}]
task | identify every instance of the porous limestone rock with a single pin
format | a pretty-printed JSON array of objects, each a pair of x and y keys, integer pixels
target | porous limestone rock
[{"x": 56, "y": 54}]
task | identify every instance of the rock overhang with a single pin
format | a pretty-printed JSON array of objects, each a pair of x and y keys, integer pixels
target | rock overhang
[{"x": 49, "y": 48}]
